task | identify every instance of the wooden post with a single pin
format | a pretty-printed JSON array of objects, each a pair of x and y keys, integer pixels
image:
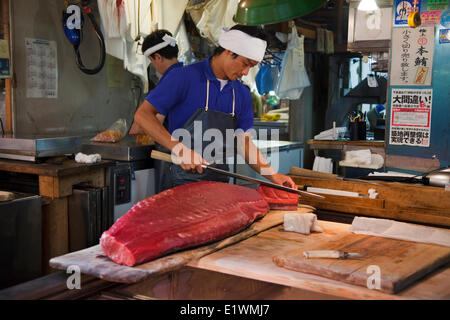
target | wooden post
[{"x": 8, "y": 82}]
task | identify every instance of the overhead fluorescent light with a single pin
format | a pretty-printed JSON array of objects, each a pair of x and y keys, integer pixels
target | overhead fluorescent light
[{"x": 368, "y": 5}]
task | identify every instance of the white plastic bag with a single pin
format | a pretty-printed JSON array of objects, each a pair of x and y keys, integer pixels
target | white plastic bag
[{"x": 293, "y": 77}]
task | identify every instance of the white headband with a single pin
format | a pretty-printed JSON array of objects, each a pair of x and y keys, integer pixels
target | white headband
[
  {"x": 167, "y": 40},
  {"x": 243, "y": 44}
]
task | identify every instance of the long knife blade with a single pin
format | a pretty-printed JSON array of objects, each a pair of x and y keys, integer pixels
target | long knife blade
[
  {"x": 262, "y": 182},
  {"x": 167, "y": 157}
]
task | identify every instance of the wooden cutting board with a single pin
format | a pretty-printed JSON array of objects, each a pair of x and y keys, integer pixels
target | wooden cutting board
[
  {"x": 92, "y": 261},
  {"x": 400, "y": 262}
]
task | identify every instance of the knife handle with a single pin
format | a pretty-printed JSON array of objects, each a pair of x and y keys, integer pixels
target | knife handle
[
  {"x": 322, "y": 254},
  {"x": 161, "y": 156}
]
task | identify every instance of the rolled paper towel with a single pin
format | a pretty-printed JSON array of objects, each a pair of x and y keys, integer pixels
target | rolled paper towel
[
  {"x": 301, "y": 223},
  {"x": 84, "y": 158},
  {"x": 358, "y": 157}
]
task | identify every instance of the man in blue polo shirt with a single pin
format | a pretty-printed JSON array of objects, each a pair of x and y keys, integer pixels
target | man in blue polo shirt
[
  {"x": 162, "y": 51},
  {"x": 208, "y": 96}
]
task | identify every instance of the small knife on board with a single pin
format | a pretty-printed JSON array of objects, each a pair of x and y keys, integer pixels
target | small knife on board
[
  {"x": 168, "y": 158},
  {"x": 334, "y": 254}
]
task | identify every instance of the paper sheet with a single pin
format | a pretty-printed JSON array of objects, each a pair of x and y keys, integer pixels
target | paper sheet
[
  {"x": 411, "y": 117},
  {"x": 5, "y": 71},
  {"x": 400, "y": 231},
  {"x": 42, "y": 68},
  {"x": 412, "y": 56}
]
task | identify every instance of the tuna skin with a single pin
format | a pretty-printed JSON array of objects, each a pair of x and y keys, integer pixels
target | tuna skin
[{"x": 179, "y": 218}]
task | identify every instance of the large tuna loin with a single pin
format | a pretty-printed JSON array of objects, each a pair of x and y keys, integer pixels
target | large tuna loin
[
  {"x": 179, "y": 218},
  {"x": 279, "y": 199}
]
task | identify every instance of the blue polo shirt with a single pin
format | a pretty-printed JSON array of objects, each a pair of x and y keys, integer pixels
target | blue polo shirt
[
  {"x": 174, "y": 66},
  {"x": 183, "y": 90}
]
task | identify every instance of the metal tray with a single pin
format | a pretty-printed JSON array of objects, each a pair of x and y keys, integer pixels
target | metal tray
[
  {"x": 124, "y": 150},
  {"x": 33, "y": 148}
]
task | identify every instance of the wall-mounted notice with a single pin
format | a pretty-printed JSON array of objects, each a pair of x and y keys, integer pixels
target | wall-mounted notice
[
  {"x": 444, "y": 36},
  {"x": 42, "y": 68},
  {"x": 445, "y": 18},
  {"x": 5, "y": 71},
  {"x": 402, "y": 9},
  {"x": 429, "y": 18},
  {"x": 412, "y": 56},
  {"x": 411, "y": 117}
]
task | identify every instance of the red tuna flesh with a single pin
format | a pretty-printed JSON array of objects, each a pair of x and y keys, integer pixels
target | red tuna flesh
[
  {"x": 181, "y": 217},
  {"x": 279, "y": 199}
]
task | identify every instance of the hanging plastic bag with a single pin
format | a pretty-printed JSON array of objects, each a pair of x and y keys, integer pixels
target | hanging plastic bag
[
  {"x": 114, "y": 133},
  {"x": 293, "y": 77},
  {"x": 264, "y": 80}
]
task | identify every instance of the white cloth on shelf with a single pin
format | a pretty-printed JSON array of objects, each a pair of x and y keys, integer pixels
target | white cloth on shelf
[
  {"x": 331, "y": 134},
  {"x": 358, "y": 157},
  {"x": 362, "y": 159},
  {"x": 323, "y": 164}
]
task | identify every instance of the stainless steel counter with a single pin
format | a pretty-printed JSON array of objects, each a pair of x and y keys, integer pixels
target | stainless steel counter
[
  {"x": 125, "y": 150},
  {"x": 31, "y": 148}
]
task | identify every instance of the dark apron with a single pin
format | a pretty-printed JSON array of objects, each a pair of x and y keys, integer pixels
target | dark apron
[{"x": 210, "y": 119}]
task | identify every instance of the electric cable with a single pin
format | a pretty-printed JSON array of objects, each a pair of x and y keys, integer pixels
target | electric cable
[
  {"x": 101, "y": 40},
  {"x": 3, "y": 129}
]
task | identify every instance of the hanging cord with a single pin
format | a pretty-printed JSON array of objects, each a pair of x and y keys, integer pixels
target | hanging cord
[
  {"x": 101, "y": 40},
  {"x": 3, "y": 130}
]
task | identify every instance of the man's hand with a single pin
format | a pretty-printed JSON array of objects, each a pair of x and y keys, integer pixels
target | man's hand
[
  {"x": 283, "y": 180},
  {"x": 136, "y": 130},
  {"x": 188, "y": 159}
]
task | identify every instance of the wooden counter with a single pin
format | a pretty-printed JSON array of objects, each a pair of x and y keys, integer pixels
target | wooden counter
[
  {"x": 246, "y": 270},
  {"x": 56, "y": 181},
  {"x": 243, "y": 270},
  {"x": 398, "y": 201},
  {"x": 252, "y": 259},
  {"x": 375, "y": 146},
  {"x": 339, "y": 144}
]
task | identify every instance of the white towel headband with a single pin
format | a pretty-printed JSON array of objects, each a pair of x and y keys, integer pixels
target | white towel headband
[
  {"x": 243, "y": 44},
  {"x": 167, "y": 40}
]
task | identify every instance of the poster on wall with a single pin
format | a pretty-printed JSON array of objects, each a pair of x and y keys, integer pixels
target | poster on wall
[
  {"x": 402, "y": 9},
  {"x": 429, "y": 18},
  {"x": 411, "y": 117},
  {"x": 5, "y": 71},
  {"x": 412, "y": 56},
  {"x": 42, "y": 68}
]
